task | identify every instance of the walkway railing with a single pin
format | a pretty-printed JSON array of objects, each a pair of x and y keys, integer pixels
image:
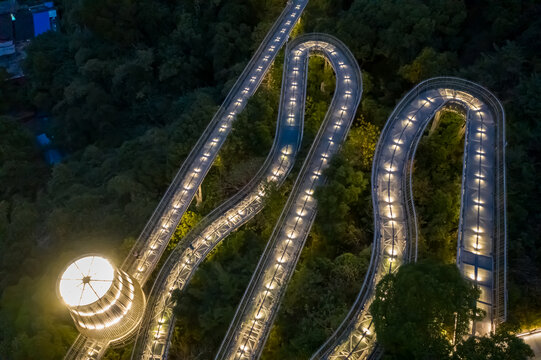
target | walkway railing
[
  {"x": 343, "y": 332},
  {"x": 165, "y": 205},
  {"x": 257, "y": 277}
]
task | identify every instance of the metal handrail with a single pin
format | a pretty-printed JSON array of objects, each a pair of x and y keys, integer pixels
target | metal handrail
[
  {"x": 165, "y": 201},
  {"x": 245, "y": 301},
  {"x": 212, "y": 217},
  {"x": 408, "y": 189},
  {"x": 75, "y": 347},
  {"x": 348, "y": 323},
  {"x": 196, "y": 150},
  {"x": 345, "y": 51}
]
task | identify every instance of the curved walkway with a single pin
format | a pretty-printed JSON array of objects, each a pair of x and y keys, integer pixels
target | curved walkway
[
  {"x": 257, "y": 310},
  {"x": 160, "y": 228},
  {"x": 482, "y": 233},
  {"x": 533, "y": 338},
  {"x": 154, "y": 335}
]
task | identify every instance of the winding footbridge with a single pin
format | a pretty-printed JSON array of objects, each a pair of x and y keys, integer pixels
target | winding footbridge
[{"x": 481, "y": 253}]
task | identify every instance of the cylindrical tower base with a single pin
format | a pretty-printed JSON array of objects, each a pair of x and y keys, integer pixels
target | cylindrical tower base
[{"x": 105, "y": 302}]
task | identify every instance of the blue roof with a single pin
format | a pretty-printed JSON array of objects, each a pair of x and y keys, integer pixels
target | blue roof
[{"x": 43, "y": 7}]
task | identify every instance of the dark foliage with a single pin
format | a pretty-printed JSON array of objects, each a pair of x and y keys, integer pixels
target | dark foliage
[
  {"x": 130, "y": 86},
  {"x": 421, "y": 310},
  {"x": 436, "y": 187}
]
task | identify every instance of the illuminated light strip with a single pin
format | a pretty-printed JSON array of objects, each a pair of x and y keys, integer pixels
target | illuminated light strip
[
  {"x": 307, "y": 197},
  {"x": 252, "y": 336},
  {"x": 364, "y": 328},
  {"x": 103, "y": 309},
  {"x": 100, "y": 326}
]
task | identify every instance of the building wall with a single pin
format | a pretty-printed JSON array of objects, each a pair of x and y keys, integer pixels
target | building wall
[{"x": 41, "y": 22}]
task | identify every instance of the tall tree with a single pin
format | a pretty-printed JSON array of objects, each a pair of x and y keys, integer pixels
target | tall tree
[
  {"x": 418, "y": 309},
  {"x": 502, "y": 345}
]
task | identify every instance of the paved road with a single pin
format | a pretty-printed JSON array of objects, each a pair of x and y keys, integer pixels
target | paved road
[{"x": 482, "y": 229}]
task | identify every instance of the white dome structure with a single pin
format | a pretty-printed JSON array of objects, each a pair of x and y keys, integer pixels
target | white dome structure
[{"x": 105, "y": 302}]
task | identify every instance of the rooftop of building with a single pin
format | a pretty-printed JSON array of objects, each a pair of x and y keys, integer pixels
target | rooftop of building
[{"x": 12, "y": 6}]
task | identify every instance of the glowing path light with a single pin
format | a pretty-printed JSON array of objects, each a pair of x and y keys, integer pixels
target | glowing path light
[
  {"x": 247, "y": 334},
  {"x": 481, "y": 252},
  {"x": 104, "y": 302},
  {"x": 154, "y": 239},
  {"x": 123, "y": 284}
]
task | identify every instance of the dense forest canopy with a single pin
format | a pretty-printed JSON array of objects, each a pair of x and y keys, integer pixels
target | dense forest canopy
[
  {"x": 424, "y": 311},
  {"x": 129, "y": 86}
]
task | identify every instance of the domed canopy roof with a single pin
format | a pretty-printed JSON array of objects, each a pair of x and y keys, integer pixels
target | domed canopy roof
[{"x": 86, "y": 280}]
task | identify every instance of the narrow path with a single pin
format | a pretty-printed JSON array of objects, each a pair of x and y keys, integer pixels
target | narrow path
[
  {"x": 481, "y": 253},
  {"x": 533, "y": 338},
  {"x": 482, "y": 233},
  {"x": 156, "y": 234},
  {"x": 258, "y": 307}
]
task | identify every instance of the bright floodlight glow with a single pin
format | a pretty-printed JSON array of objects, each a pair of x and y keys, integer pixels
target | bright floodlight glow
[{"x": 86, "y": 281}]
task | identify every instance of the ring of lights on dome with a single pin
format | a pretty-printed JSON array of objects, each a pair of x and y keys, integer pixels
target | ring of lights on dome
[{"x": 86, "y": 280}]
